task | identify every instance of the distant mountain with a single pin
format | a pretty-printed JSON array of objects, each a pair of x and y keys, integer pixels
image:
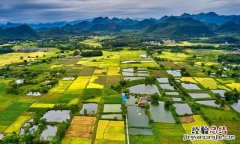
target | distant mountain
[
  {"x": 212, "y": 18},
  {"x": 19, "y": 32},
  {"x": 229, "y": 28},
  {"x": 176, "y": 27}
]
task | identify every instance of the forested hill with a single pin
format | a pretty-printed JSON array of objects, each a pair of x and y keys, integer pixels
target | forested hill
[{"x": 186, "y": 25}]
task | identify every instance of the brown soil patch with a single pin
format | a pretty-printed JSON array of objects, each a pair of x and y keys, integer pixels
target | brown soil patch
[
  {"x": 81, "y": 127},
  {"x": 186, "y": 119}
]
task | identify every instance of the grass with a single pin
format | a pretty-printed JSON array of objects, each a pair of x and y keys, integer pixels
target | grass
[
  {"x": 198, "y": 122},
  {"x": 162, "y": 134},
  {"x": 91, "y": 93},
  {"x": 16, "y": 126},
  {"x": 110, "y": 130},
  {"x": 11, "y": 113},
  {"x": 229, "y": 119},
  {"x": 42, "y": 105},
  {"x": 110, "y": 96},
  {"x": 173, "y": 56},
  {"x": 78, "y": 85}
]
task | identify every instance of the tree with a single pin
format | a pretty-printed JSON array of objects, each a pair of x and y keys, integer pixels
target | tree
[
  {"x": 150, "y": 79},
  {"x": 75, "y": 53},
  {"x": 155, "y": 97}
]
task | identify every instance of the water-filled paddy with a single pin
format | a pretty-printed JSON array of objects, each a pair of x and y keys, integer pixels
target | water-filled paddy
[
  {"x": 57, "y": 115},
  {"x": 190, "y": 86},
  {"x": 137, "y": 117},
  {"x": 236, "y": 106},
  {"x": 182, "y": 108},
  {"x": 90, "y": 108},
  {"x": 163, "y": 80},
  {"x": 144, "y": 89},
  {"x": 160, "y": 114},
  {"x": 140, "y": 131},
  {"x": 220, "y": 92},
  {"x": 208, "y": 103},
  {"x": 199, "y": 95},
  {"x": 112, "y": 108},
  {"x": 112, "y": 116},
  {"x": 49, "y": 132},
  {"x": 167, "y": 87},
  {"x": 175, "y": 73},
  {"x": 131, "y": 100}
]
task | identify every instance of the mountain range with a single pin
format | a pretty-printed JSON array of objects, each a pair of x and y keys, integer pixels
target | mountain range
[{"x": 185, "y": 25}]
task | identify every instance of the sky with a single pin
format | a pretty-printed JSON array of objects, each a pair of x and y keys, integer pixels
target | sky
[{"x": 35, "y": 11}]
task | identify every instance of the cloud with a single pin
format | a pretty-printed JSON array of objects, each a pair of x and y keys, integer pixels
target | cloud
[{"x": 58, "y": 10}]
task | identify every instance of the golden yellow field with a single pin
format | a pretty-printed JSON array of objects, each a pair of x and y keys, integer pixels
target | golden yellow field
[
  {"x": 113, "y": 71},
  {"x": 99, "y": 71},
  {"x": 42, "y": 105},
  {"x": 92, "y": 83},
  {"x": 16, "y": 126},
  {"x": 61, "y": 87},
  {"x": 73, "y": 102},
  {"x": 173, "y": 56},
  {"x": 198, "y": 122},
  {"x": 15, "y": 57},
  {"x": 188, "y": 79},
  {"x": 234, "y": 86},
  {"x": 209, "y": 83},
  {"x": 110, "y": 130},
  {"x": 78, "y": 85}
]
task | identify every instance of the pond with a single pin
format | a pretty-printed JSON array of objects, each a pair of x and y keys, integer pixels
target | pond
[
  {"x": 220, "y": 92},
  {"x": 182, "y": 108},
  {"x": 49, "y": 132},
  {"x": 236, "y": 106},
  {"x": 140, "y": 131},
  {"x": 57, "y": 115},
  {"x": 133, "y": 78},
  {"x": 175, "y": 73},
  {"x": 131, "y": 100},
  {"x": 199, "y": 95},
  {"x": 190, "y": 86},
  {"x": 112, "y": 116},
  {"x": 167, "y": 87},
  {"x": 163, "y": 80},
  {"x": 144, "y": 89},
  {"x": 137, "y": 117},
  {"x": 172, "y": 93},
  {"x": 209, "y": 103},
  {"x": 112, "y": 108},
  {"x": 160, "y": 114},
  {"x": 91, "y": 108}
]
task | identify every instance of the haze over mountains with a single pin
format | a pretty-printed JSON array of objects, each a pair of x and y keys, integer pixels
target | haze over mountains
[{"x": 186, "y": 25}]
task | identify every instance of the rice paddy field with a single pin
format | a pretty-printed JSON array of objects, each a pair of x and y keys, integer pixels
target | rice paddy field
[{"x": 82, "y": 82}]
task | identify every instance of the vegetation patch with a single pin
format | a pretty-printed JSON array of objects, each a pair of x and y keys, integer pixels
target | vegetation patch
[{"x": 78, "y": 85}]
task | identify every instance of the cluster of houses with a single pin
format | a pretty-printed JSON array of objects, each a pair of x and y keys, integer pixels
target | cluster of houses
[
  {"x": 141, "y": 101},
  {"x": 168, "y": 41}
]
